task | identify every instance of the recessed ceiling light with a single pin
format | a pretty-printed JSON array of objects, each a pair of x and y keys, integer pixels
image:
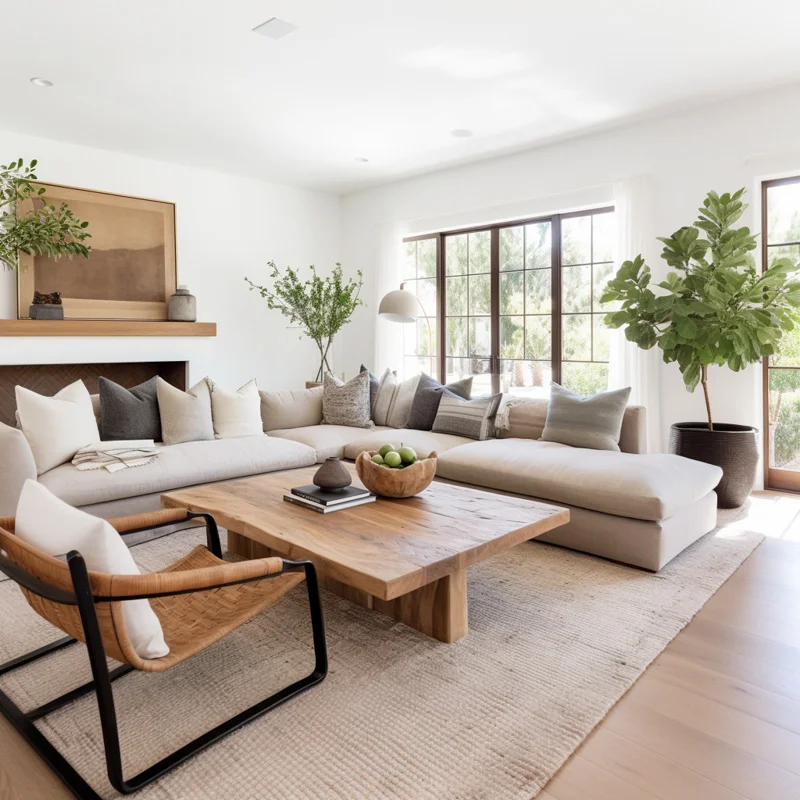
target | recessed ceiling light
[
  {"x": 275, "y": 28},
  {"x": 41, "y": 82},
  {"x": 362, "y": 160},
  {"x": 461, "y": 133}
]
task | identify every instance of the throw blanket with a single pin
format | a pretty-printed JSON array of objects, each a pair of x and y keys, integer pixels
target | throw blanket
[{"x": 114, "y": 456}]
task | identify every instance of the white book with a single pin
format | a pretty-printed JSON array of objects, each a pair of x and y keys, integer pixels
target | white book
[{"x": 299, "y": 501}]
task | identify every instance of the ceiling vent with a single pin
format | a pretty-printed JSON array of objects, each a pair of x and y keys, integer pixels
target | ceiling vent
[{"x": 275, "y": 28}]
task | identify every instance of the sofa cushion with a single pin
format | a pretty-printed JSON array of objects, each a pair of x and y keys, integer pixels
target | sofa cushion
[
  {"x": 651, "y": 487},
  {"x": 291, "y": 409},
  {"x": 179, "y": 465},
  {"x": 327, "y": 440},
  {"x": 423, "y": 442}
]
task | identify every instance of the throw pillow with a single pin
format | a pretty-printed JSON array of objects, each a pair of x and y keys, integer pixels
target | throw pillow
[
  {"x": 471, "y": 418},
  {"x": 592, "y": 422},
  {"x": 292, "y": 409},
  {"x": 374, "y": 383},
  {"x": 56, "y": 427},
  {"x": 346, "y": 403},
  {"x": 127, "y": 414},
  {"x": 394, "y": 400},
  {"x": 49, "y": 524},
  {"x": 185, "y": 416},
  {"x": 427, "y": 398},
  {"x": 236, "y": 413}
]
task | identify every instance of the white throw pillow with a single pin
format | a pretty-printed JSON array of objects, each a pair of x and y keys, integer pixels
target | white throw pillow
[
  {"x": 394, "y": 400},
  {"x": 235, "y": 413},
  {"x": 57, "y": 427},
  {"x": 49, "y": 524},
  {"x": 185, "y": 416}
]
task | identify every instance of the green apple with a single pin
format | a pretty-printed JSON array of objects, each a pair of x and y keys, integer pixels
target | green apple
[
  {"x": 377, "y": 459},
  {"x": 392, "y": 459},
  {"x": 408, "y": 455},
  {"x": 387, "y": 448}
]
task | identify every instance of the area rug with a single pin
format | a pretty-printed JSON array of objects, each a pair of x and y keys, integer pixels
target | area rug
[{"x": 556, "y": 638}]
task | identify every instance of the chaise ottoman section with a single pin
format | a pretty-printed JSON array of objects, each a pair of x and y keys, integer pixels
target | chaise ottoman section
[{"x": 640, "y": 509}]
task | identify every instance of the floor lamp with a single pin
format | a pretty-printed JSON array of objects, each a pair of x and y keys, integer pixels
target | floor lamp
[{"x": 402, "y": 306}]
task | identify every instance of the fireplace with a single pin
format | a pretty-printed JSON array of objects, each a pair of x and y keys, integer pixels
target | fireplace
[{"x": 48, "y": 379}]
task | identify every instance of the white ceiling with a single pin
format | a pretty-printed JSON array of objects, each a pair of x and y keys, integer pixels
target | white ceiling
[{"x": 188, "y": 81}]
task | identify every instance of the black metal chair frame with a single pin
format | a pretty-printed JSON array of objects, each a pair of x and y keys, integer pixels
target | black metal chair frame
[{"x": 83, "y": 598}]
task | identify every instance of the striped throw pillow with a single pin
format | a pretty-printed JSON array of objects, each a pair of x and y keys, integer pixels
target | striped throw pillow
[{"x": 473, "y": 419}]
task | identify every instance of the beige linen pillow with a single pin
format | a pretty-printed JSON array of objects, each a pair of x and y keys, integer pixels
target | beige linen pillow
[
  {"x": 57, "y": 427},
  {"x": 185, "y": 416},
  {"x": 291, "y": 409},
  {"x": 235, "y": 414},
  {"x": 346, "y": 403},
  {"x": 394, "y": 400}
]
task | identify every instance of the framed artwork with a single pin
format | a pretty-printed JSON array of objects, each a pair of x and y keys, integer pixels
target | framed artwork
[{"x": 132, "y": 268}]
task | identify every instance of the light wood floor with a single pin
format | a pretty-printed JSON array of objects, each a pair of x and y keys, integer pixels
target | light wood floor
[{"x": 715, "y": 717}]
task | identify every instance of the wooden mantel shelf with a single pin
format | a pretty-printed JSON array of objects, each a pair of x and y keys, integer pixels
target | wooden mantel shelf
[{"x": 104, "y": 327}]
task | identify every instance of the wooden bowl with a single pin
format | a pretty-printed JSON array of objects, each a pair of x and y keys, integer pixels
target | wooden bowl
[{"x": 386, "y": 482}]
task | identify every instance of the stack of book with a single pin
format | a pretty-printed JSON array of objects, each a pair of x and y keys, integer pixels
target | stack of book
[{"x": 326, "y": 500}]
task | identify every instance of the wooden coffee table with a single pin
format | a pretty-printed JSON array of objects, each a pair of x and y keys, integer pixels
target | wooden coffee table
[{"x": 405, "y": 558}]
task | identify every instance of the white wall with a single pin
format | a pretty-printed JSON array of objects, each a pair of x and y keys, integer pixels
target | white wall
[
  {"x": 721, "y": 147},
  {"x": 227, "y": 228}
]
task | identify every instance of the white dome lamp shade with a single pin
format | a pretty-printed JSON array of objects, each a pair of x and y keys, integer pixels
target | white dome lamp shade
[{"x": 402, "y": 306}]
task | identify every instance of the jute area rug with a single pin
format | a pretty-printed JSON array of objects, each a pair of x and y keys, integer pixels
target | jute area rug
[{"x": 556, "y": 638}]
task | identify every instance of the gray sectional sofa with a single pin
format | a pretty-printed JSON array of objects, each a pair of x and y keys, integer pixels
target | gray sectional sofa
[{"x": 634, "y": 507}]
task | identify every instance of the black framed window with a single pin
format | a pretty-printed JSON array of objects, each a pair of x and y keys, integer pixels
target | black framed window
[{"x": 517, "y": 303}]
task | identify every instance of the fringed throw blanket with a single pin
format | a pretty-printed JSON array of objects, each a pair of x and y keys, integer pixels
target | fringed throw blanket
[{"x": 114, "y": 456}]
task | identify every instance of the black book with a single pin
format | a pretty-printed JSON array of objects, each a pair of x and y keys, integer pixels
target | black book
[{"x": 329, "y": 497}]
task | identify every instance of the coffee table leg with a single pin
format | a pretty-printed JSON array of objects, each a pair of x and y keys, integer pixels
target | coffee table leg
[{"x": 438, "y": 609}]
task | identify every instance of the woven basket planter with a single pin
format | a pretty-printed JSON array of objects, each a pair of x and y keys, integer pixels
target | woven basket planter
[{"x": 734, "y": 448}]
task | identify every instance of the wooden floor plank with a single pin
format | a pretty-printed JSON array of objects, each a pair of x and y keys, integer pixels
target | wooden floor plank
[{"x": 580, "y": 779}]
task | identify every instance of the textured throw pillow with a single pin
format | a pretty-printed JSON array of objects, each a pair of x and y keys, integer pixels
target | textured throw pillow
[
  {"x": 127, "y": 414},
  {"x": 49, "y": 524},
  {"x": 592, "y": 422},
  {"x": 427, "y": 398},
  {"x": 185, "y": 416},
  {"x": 394, "y": 400},
  {"x": 346, "y": 403},
  {"x": 56, "y": 427},
  {"x": 374, "y": 383},
  {"x": 236, "y": 413},
  {"x": 293, "y": 409},
  {"x": 471, "y": 418}
]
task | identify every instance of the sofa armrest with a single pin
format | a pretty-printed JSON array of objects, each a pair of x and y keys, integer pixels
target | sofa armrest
[{"x": 16, "y": 467}]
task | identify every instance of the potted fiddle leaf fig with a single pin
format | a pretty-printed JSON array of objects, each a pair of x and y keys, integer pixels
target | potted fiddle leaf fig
[
  {"x": 320, "y": 307},
  {"x": 44, "y": 230},
  {"x": 713, "y": 308}
]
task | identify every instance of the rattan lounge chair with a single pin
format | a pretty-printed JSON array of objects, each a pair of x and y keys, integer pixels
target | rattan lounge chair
[{"x": 198, "y": 600}]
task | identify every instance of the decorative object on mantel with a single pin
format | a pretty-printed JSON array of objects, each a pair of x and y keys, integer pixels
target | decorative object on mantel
[
  {"x": 42, "y": 229},
  {"x": 332, "y": 475},
  {"x": 182, "y": 306},
  {"x": 47, "y": 306},
  {"x": 716, "y": 308},
  {"x": 132, "y": 268},
  {"x": 398, "y": 483},
  {"x": 320, "y": 307}
]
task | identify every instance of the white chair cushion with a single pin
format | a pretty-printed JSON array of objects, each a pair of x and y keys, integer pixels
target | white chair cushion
[
  {"x": 49, "y": 524},
  {"x": 57, "y": 427}
]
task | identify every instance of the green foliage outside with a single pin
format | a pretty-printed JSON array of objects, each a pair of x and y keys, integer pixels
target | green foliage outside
[
  {"x": 785, "y": 439},
  {"x": 714, "y": 308},
  {"x": 45, "y": 230},
  {"x": 320, "y": 307}
]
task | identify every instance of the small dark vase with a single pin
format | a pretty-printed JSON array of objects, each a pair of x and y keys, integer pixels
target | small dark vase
[
  {"x": 332, "y": 475},
  {"x": 734, "y": 448}
]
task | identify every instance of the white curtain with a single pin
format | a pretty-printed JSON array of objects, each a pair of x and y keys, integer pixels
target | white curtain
[
  {"x": 388, "y": 335},
  {"x": 629, "y": 364}
]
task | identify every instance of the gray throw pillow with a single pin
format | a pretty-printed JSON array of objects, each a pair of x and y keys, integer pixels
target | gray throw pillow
[
  {"x": 427, "y": 398},
  {"x": 346, "y": 403},
  {"x": 129, "y": 413},
  {"x": 185, "y": 416},
  {"x": 374, "y": 383},
  {"x": 473, "y": 419},
  {"x": 592, "y": 422}
]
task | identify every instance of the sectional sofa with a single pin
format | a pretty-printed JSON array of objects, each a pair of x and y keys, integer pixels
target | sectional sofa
[{"x": 630, "y": 506}]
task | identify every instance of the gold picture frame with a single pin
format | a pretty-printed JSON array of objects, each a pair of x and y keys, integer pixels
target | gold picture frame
[{"x": 132, "y": 269}]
